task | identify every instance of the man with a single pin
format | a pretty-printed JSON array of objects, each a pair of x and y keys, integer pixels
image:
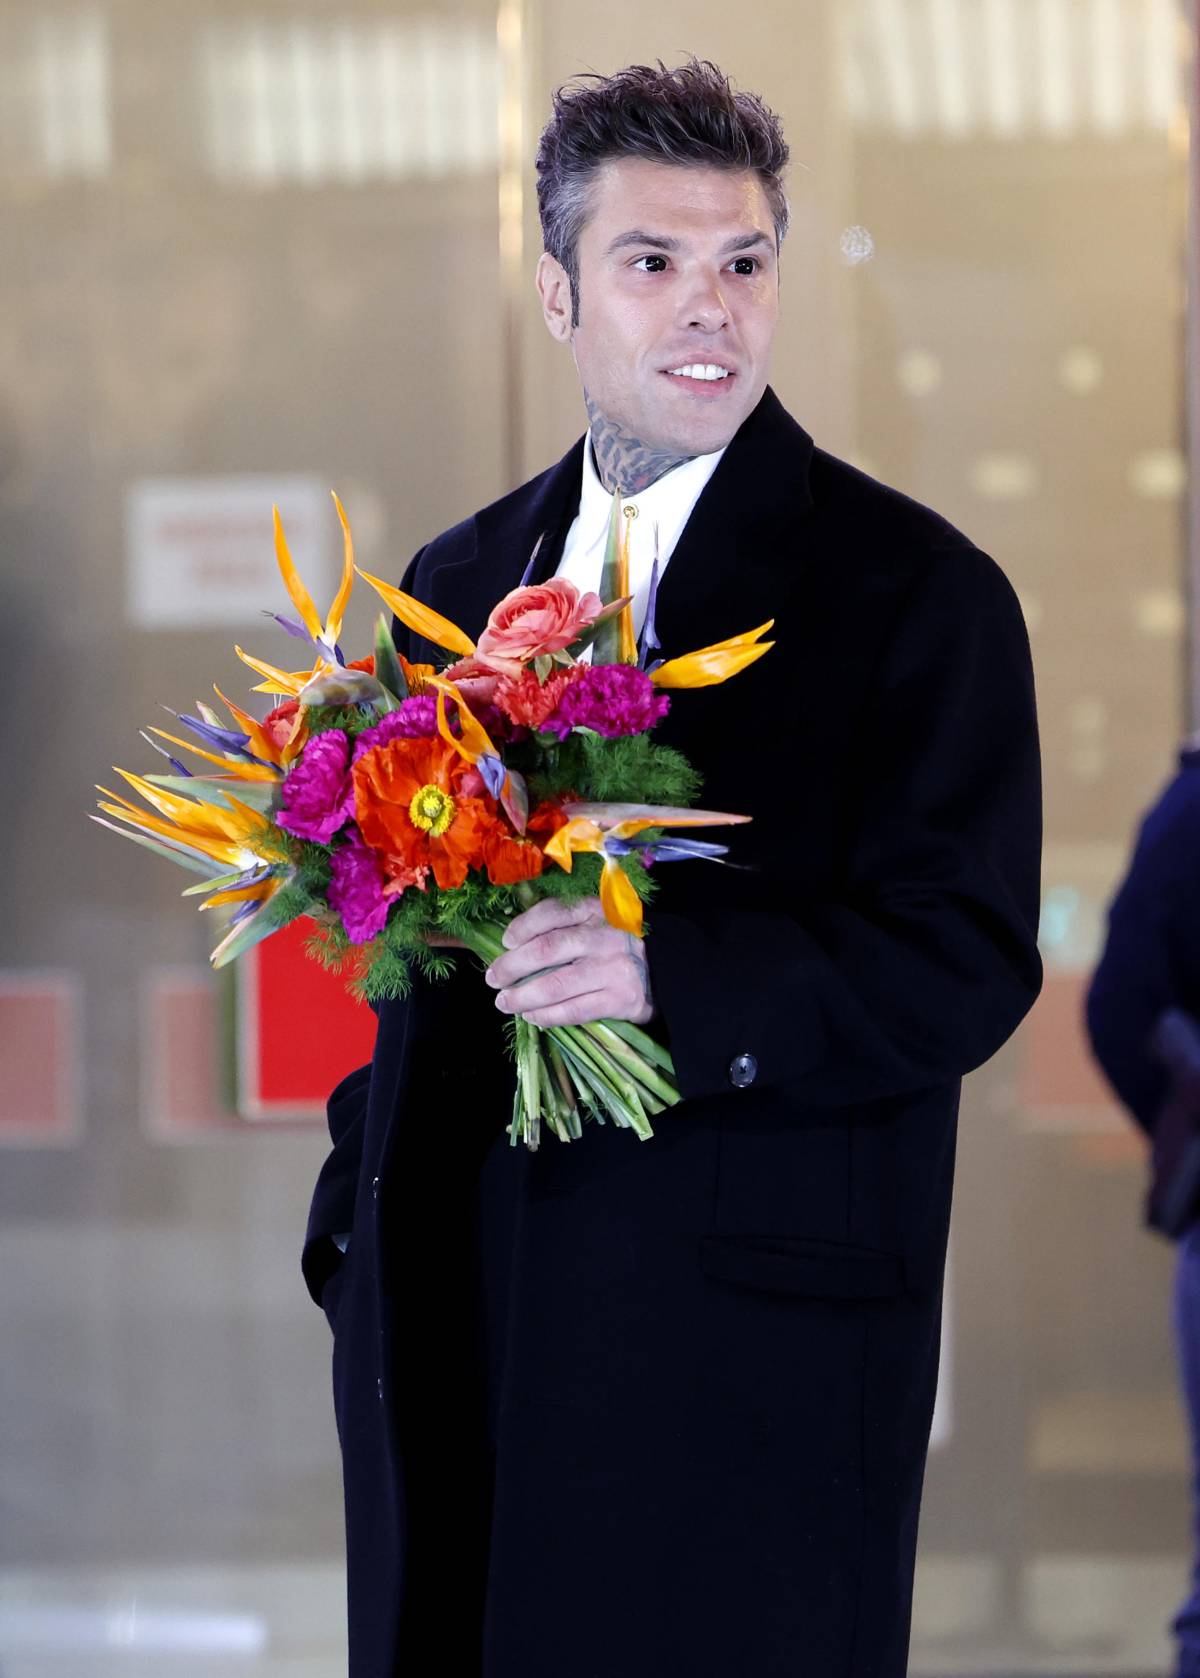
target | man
[
  {"x": 624, "y": 1410},
  {"x": 1143, "y": 1017}
]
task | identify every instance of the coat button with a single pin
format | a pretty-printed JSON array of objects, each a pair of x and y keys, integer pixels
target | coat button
[
  {"x": 743, "y": 1070},
  {"x": 374, "y": 1188},
  {"x": 379, "y": 1388}
]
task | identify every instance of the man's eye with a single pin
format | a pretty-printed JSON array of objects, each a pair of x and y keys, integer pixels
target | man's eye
[
  {"x": 746, "y": 265},
  {"x": 658, "y": 259}
]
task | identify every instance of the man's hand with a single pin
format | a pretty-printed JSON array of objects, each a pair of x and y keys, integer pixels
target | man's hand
[{"x": 586, "y": 969}]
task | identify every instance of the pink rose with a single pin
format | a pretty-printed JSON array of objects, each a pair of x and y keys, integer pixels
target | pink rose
[
  {"x": 280, "y": 724},
  {"x": 475, "y": 679},
  {"x": 530, "y": 622}
]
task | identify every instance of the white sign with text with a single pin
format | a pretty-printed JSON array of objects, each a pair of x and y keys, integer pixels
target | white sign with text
[{"x": 200, "y": 552}]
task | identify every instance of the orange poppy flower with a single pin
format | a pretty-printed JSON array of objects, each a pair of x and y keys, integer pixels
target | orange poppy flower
[
  {"x": 410, "y": 804},
  {"x": 510, "y": 859},
  {"x": 549, "y": 817}
]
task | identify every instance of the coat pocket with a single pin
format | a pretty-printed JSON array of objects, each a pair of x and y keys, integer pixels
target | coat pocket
[{"x": 810, "y": 1269}]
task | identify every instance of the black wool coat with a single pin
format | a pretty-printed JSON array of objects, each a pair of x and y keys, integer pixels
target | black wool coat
[{"x": 660, "y": 1410}]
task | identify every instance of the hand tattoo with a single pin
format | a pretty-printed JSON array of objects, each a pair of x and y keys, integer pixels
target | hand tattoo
[{"x": 625, "y": 464}]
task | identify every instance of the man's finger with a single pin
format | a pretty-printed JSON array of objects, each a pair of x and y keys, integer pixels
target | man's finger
[
  {"x": 549, "y": 915},
  {"x": 557, "y": 985},
  {"x": 551, "y": 949},
  {"x": 580, "y": 1010}
]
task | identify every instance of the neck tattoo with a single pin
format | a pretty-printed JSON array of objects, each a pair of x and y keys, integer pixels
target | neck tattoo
[{"x": 626, "y": 465}]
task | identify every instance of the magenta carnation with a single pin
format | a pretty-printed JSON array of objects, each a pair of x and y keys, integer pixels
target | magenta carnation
[
  {"x": 356, "y": 889},
  {"x": 612, "y": 699},
  {"x": 416, "y": 719},
  {"x": 318, "y": 795}
]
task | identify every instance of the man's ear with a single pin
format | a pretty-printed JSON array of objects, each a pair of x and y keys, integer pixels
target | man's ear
[{"x": 554, "y": 289}]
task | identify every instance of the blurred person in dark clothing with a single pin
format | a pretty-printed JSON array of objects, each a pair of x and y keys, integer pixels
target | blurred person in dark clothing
[{"x": 1143, "y": 1017}]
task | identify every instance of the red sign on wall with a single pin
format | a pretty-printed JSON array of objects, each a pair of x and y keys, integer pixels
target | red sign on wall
[
  {"x": 299, "y": 1030},
  {"x": 40, "y": 1059}
]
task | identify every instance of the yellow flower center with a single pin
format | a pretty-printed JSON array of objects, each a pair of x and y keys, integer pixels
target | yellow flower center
[{"x": 432, "y": 810}]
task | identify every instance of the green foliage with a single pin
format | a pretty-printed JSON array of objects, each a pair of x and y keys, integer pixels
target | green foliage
[
  {"x": 330, "y": 946},
  {"x": 351, "y": 719},
  {"x": 311, "y": 863},
  {"x": 634, "y": 770},
  {"x": 386, "y": 978},
  {"x": 637, "y": 771},
  {"x": 289, "y": 903},
  {"x": 582, "y": 881}
]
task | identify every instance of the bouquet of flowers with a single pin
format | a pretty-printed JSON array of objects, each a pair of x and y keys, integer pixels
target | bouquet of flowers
[{"x": 401, "y": 805}]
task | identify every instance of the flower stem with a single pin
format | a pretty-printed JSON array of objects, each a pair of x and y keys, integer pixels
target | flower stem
[
  {"x": 610, "y": 1066},
  {"x": 633, "y": 1062}
]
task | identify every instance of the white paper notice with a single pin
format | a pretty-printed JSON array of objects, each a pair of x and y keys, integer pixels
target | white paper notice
[{"x": 200, "y": 552}]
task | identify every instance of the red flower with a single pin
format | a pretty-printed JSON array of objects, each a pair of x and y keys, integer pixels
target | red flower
[
  {"x": 510, "y": 859},
  {"x": 526, "y": 701},
  {"x": 549, "y": 817}
]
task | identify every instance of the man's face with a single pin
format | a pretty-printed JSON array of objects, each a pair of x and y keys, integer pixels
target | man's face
[{"x": 677, "y": 269}]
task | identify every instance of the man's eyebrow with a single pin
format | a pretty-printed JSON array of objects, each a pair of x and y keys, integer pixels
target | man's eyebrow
[
  {"x": 660, "y": 242},
  {"x": 744, "y": 241},
  {"x": 636, "y": 237}
]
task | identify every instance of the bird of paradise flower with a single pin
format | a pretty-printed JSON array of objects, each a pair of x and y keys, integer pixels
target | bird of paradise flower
[
  {"x": 212, "y": 832},
  {"x": 330, "y": 680},
  {"x": 615, "y": 641},
  {"x": 218, "y": 825},
  {"x": 322, "y": 636},
  {"x": 613, "y": 831}
]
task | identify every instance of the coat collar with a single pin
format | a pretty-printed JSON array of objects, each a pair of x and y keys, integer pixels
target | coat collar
[
  {"x": 735, "y": 561},
  {"x": 730, "y": 569}
]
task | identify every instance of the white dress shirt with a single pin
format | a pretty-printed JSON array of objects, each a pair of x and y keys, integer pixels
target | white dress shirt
[{"x": 665, "y": 507}]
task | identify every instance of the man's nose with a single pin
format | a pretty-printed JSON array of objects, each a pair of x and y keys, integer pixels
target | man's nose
[{"x": 704, "y": 307}]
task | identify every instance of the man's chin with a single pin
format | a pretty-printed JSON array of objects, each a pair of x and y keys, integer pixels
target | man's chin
[
  {"x": 713, "y": 426},
  {"x": 707, "y": 439}
]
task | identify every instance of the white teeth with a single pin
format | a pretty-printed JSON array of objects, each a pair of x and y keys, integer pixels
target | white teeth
[{"x": 700, "y": 370}]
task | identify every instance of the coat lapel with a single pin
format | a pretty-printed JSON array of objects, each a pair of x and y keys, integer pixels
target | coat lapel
[{"x": 736, "y": 561}]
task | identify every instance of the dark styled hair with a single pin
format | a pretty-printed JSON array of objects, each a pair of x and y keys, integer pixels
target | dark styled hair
[{"x": 687, "y": 115}]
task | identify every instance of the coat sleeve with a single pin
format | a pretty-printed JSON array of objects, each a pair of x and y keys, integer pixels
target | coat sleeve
[
  {"x": 332, "y": 1210},
  {"x": 1153, "y": 921},
  {"x": 926, "y": 960}
]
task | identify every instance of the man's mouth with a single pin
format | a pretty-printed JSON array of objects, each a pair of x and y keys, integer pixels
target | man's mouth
[{"x": 707, "y": 372}]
